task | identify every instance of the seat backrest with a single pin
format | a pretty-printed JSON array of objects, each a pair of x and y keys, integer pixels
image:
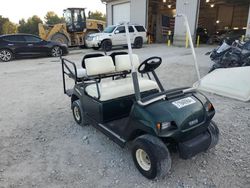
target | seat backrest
[
  {"x": 90, "y": 56},
  {"x": 122, "y": 62},
  {"x": 114, "y": 54},
  {"x": 99, "y": 65}
]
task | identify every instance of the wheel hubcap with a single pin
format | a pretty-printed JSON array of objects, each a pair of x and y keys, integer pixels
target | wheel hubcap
[
  {"x": 5, "y": 55},
  {"x": 77, "y": 113},
  {"x": 143, "y": 159},
  {"x": 56, "y": 51}
]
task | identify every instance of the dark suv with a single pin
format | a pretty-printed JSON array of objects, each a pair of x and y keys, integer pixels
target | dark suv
[{"x": 25, "y": 45}]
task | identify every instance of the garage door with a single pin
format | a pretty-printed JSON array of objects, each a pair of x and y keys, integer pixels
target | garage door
[{"x": 121, "y": 12}]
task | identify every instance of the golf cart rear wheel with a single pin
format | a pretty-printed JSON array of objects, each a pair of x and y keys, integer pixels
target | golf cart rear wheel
[
  {"x": 214, "y": 133},
  {"x": 151, "y": 156},
  {"x": 78, "y": 112}
]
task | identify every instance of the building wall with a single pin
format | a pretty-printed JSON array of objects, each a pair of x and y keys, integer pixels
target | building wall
[
  {"x": 142, "y": 13},
  {"x": 138, "y": 12},
  {"x": 191, "y": 9},
  {"x": 110, "y": 8}
]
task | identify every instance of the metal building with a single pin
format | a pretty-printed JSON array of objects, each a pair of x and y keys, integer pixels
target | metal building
[{"x": 158, "y": 16}]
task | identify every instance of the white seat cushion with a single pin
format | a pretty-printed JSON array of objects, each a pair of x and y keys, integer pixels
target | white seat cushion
[
  {"x": 119, "y": 88},
  {"x": 81, "y": 73},
  {"x": 122, "y": 62},
  {"x": 99, "y": 65}
]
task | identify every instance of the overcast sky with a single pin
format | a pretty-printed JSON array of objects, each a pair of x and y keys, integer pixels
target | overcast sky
[{"x": 18, "y": 9}]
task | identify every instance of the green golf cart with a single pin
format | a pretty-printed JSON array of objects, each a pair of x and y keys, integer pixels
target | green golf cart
[{"x": 125, "y": 100}]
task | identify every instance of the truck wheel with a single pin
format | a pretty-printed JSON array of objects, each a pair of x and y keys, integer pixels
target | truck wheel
[
  {"x": 61, "y": 38},
  {"x": 151, "y": 156},
  {"x": 214, "y": 133},
  {"x": 138, "y": 42},
  {"x": 56, "y": 51},
  {"x": 78, "y": 112},
  {"x": 6, "y": 55},
  {"x": 106, "y": 45}
]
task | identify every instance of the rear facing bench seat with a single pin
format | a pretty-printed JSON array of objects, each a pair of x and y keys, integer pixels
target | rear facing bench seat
[{"x": 113, "y": 89}]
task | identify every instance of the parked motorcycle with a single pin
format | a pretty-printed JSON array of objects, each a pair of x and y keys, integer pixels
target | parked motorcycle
[{"x": 235, "y": 55}]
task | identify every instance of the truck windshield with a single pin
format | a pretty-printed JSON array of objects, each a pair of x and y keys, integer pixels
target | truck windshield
[{"x": 109, "y": 29}]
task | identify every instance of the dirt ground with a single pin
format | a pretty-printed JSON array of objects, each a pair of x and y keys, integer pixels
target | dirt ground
[{"x": 41, "y": 145}]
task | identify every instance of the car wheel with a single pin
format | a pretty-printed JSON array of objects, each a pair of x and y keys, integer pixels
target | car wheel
[
  {"x": 151, "y": 156},
  {"x": 214, "y": 134},
  {"x": 56, "y": 51},
  {"x": 6, "y": 55},
  {"x": 138, "y": 42},
  {"x": 61, "y": 38},
  {"x": 106, "y": 45},
  {"x": 78, "y": 113}
]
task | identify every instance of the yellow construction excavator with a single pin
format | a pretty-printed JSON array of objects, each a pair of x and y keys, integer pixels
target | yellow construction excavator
[{"x": 74, "y": 30}]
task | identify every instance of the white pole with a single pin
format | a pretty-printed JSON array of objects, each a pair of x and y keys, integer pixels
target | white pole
[
  {"x": 191, "y": 44},
  {"x": 129, "y": 46}
]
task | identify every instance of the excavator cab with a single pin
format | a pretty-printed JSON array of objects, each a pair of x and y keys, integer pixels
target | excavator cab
[{"x": 75, "y": 19}]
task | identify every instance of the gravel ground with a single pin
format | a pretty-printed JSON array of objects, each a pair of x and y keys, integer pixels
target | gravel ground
[{"x": 41, "y": 145}]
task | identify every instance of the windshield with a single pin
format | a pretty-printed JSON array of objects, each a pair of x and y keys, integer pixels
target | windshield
[
  {"x": 109, "y": 29},
  {"x": 223, "y": 47}
]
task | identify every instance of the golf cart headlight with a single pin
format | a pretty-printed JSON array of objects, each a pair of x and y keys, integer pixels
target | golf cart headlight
[{"x": 166, "y": 125}]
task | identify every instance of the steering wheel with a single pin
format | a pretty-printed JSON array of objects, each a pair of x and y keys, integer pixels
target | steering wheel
[{"x": 149, "y": 65}]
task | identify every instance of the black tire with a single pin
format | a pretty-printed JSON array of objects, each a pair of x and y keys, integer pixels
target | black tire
[
  {"x": 106, "y": 45},
  {"x": 61, "y": 38},
  {"x": 6, "y": 55},
  {"x": 95, "y": 48},
  {"x": 157, "y": 156},
  {"x": 138, "y": 42},
  {"x": 78, "y": 113},
  {"x": 56, "y": 51},
  {"x": 214, "y": 133}
]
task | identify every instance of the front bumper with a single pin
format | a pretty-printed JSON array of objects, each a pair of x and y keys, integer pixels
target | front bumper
[
  {"x": 194, "y": 146},
  {"x": 93, "y": 43}
]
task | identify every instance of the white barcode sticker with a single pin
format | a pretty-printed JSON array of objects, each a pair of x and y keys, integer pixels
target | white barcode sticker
[{"x": 184, "y": 102}]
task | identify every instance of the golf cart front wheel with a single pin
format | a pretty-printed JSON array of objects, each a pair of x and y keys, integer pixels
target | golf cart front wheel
[
  {"x": 151, "y": 156},
  {"x": 78, "y": 112},
  {"x": 214, "y": 134}
]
